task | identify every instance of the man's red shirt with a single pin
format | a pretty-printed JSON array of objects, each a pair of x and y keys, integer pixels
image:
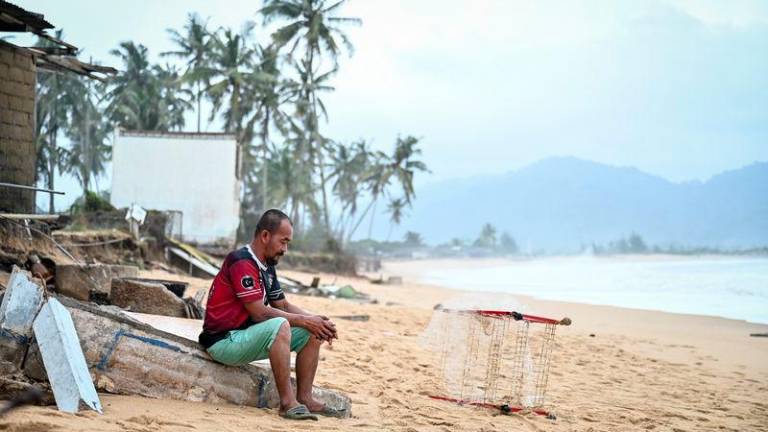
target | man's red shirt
[{"x": 242, "y": 279}]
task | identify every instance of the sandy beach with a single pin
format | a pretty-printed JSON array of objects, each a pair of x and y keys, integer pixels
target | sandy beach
[{"x": 614, "y": 369}]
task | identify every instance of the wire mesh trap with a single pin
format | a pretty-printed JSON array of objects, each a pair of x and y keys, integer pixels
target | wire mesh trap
[{"x": 493, "y": 359}]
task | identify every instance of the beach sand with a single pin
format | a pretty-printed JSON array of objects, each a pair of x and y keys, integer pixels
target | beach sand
[{"x": 614, "y": 369}]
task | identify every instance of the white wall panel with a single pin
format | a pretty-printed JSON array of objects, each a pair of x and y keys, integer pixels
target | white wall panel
[{"x": 194, "y": 174}]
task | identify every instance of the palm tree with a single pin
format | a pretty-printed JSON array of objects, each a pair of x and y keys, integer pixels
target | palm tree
[
  {"x": 404, "y": 167},
  {"x": 231, "y": 58},
  {"x": 313, "y": 24},
  {"x": 396, "y": 209},
  {"x": 487, "y": 236},
  {"x": 292, "y": 184},
  {"x": 54, "y": 105},
  {"x": 413, "y": 238},
  {"x": 144, "y": 96},
  {"x": 401, "y": 167},
  {"x": 89, "y": 150},
  {"x": 195, "y": 47},
  {"x": 51, "y": 118},
  {"x": 266, "y": 95},
  {"x": 174, "y": 98},
  {"x": 350, "y": 166},
  {"x": 130, "y": 95}
]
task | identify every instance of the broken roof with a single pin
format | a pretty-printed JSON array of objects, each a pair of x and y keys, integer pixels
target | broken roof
[
  {"x": 59, "y": 58},
  {"x": 16, "y": 19}
]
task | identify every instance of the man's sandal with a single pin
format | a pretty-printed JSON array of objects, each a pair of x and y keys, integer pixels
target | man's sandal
[
  {"x": 328, "y": 411},
  {"x": 299, "y": 412}
]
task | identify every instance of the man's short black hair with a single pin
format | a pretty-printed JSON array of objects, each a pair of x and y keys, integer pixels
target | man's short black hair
[{"x": 270, "y": 221}]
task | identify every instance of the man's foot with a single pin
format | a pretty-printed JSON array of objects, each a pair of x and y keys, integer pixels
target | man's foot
[
  {"x": 316, "y": 407},
  {"x": 298, "y": 412}
]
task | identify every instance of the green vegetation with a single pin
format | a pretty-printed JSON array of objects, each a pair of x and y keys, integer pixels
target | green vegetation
[
  {"x": 635, "y": 244},
  {"x": 268, "y": 92},
  {"x": 91, "y": 202},
  {"x": 69, "y": 106}
]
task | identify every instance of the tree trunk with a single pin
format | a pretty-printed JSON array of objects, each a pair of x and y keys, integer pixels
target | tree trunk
[
  {"x": 87, "y": 151},
  {"x": 362, "y": 217},
  {"x": 199, "y": 94},
  {"x": 265, "y": 162},
  {"x": 52, "y": 158},
  {"x": 373, "y": 215},
  {"x": 325, "y": 197},
  {"x": 314, "y": 133}
]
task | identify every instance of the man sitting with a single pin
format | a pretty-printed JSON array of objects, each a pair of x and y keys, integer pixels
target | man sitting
[{"x": 248, "y": 318}]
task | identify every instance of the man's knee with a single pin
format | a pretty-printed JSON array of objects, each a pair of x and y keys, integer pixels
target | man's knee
[
  {"x": 314, "y": 342},
  {"x": 284, "y": 332}
]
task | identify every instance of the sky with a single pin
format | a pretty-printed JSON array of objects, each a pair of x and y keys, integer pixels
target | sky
[{"x": 676, "y": 88}]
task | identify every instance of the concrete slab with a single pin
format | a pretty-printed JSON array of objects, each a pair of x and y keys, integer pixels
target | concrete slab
[
  {"x": 63, "y": 359},
  {"x": 187, "y": 328},
  {"x": 20, "y": 304},
  {"x": 128, "y": 357},
  {"x": 21, "y": 301},
  {"x": 83, "y": 281},
  {"x": 146, "y": 296}
]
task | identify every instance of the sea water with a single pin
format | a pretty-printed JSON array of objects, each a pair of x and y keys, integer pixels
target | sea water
[{"x": 730, "y": 287}]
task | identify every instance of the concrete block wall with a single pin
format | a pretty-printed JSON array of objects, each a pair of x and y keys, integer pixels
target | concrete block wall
[{"x": 17, "y": 128}]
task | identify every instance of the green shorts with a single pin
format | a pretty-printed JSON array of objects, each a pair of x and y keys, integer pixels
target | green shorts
[{"x": 244, "y": 346}]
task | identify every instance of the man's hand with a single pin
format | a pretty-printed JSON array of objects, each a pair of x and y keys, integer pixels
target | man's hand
[
  {"x": 320, "y": 327},
  {"x": 330, "y": 323}
]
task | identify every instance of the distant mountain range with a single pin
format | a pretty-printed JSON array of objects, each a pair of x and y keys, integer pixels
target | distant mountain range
[{"x": 562, "y": 203}]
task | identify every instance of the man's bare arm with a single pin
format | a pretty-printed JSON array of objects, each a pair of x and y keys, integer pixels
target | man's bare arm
[
  {"x": 316, "y": 325},
  {"x": 258, "y": 313},
  {"x": 286, "y": 306},
  {"x": 289, "y": 307}
]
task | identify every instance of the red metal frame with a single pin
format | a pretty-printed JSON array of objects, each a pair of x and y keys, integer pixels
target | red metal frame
[
  {"x": 510, "y": 314},
  {"x": 530, "y": 318},
  {"x": 506, "y": 409}
]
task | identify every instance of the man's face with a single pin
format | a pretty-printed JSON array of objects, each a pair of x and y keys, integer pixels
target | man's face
[{"x": 277, "y": 243}]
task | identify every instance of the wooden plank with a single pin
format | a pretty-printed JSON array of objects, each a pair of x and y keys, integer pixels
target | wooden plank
[{"x": 20, "y": 216}]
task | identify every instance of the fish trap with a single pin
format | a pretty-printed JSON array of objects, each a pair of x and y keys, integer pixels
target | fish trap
[{"x": 494, "y": 359}]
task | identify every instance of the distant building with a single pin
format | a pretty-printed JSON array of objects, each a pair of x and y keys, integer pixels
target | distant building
[{"x": 196, "y": 174}]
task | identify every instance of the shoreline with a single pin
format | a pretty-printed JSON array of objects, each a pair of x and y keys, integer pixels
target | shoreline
[
  {"x": 615, "y": 257},
  {"x": 415, "y": 271},
  {"x": 724, "y": 343}
]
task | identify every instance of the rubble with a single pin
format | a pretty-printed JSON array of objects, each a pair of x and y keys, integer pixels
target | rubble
[
  {"x": 146, "y": 296},
  {"x": 90, "y": 281},
  {"x": 80, "y": 347},
  {"x": 20, "y": 304},
  {"x": 16, "y": 388},
  {"x": 63, "y": 358},
  {"x": 29, "y": 395}
]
